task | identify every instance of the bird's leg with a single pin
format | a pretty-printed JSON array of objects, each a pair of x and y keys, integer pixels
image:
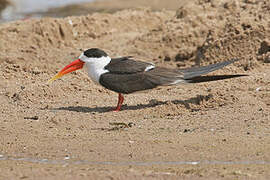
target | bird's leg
[{"x": 120, "y": 102}]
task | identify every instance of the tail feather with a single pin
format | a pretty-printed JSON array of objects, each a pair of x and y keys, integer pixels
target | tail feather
[
  {"x": 198, "y": 71},
  {"x": 200, "y": 79},
  {"x": 166, "y": 77}
]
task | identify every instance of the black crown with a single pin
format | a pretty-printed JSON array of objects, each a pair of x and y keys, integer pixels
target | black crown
[{"x": 94, "y": 53}]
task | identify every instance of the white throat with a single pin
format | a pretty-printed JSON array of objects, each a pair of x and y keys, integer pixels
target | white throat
[{"x": 95, "y": 66}]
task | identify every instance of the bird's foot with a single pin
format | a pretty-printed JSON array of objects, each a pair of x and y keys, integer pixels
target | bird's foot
[
  {"x": 117, "y": 109},
  {"x": 120, "y": 102}
]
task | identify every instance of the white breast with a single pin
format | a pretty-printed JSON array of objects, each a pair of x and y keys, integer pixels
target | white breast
[{"x": 95, "y": 67}]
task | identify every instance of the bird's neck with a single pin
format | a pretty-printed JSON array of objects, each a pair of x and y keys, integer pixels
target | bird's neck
[{"x": 96, "y": 68}]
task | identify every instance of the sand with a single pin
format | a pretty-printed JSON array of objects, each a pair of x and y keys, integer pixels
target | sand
[{"x": 215, "y": 130}]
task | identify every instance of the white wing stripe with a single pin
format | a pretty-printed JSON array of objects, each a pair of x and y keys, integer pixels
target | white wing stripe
[{"x": 148, "y": 68}]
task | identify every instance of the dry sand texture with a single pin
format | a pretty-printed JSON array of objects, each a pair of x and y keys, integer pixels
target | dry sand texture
[{"x": 223, "y": 126}]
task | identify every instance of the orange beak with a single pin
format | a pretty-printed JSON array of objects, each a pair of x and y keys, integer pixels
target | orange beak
[{"x": 75, "y": 65}]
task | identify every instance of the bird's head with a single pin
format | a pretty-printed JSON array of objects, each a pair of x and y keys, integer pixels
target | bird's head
[{"x": 93, "y": 57}]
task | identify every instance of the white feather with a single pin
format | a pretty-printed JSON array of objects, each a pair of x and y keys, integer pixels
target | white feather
[
  {"x": 149, "y": 67},
  {"x": 177, "y": 81},
  {"x": 95, "y": 66}
]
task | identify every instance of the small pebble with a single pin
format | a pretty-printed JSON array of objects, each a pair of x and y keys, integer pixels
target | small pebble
[
  {"x": 130, "y": 124},
  {"x": 258, "y": 89},
  {"x": 67, "y": 157},
  {"x": 70, "y": 22},
  {"x": 131, "y": 142},
  {"x": 32, "y": 118}
]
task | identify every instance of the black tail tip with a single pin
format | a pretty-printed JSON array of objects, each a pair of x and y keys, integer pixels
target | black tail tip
[{"x": 213, "y": 78}]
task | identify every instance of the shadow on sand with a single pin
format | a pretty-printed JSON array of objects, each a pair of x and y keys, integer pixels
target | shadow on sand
[{"x": 152, "y": 103}]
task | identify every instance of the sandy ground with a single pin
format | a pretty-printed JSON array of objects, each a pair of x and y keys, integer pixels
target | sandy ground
[{"x": 215, "y": 130}]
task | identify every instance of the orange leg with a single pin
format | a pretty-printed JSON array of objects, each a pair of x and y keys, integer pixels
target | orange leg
[{"x": 120, "y": 102}]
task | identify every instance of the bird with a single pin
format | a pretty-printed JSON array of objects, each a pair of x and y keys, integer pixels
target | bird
[{"x": 125, "y": 75}]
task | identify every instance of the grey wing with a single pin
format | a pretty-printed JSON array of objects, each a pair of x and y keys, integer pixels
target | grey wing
[
  {"x": 129, "y": 83},
  {"x": 126, "y": 83},
  {"x": 126, "y": 65},
  {"x": 138, "y": 79}
]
